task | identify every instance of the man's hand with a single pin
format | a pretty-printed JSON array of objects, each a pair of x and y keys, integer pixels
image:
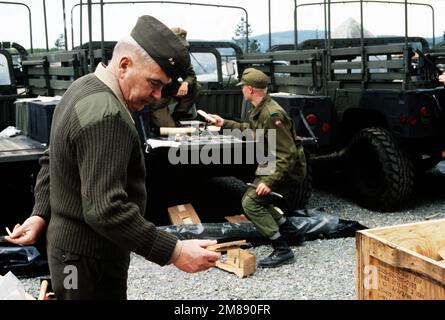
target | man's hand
[
  {"x": 29, "y": 232},
  {"x": 216, "y": 120},
  {"x": 442, "y": 78},
  {"x": 194, "y": 257},
  {"x": 183, "y": 89},
  {"x": 262, "y": 189}
]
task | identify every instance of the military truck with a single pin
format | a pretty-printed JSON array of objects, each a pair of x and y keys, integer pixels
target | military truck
[
  {"x": 374, "y": 103},
  {"x": 49, "y": 74}
]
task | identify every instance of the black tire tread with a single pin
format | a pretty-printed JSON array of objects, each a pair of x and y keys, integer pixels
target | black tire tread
[{"x": 398, "y": 169}]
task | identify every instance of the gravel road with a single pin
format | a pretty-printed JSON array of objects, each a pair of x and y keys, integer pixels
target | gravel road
[{"x": 324, "y": 269}]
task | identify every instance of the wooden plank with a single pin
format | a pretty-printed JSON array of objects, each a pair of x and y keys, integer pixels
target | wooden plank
[
  {"x": 237, "y": 218},
  {"x": 183, "y": 214},
  {"x": 355, "y": 51},
  {"x": 385, "y": 49},
  {"x": 220, "y": 247},
  {"x": 400, "y": 284},
  {"x": 38, "y": 83},
  {"x": 255, "y": 61},
  {"x": 347, "y": 76},
  {"x": 346, "y": 65},
  {"x": 55, "y": 84},
  {"x": 62, "y": 57},
  {"x": 53, "y": 71},
  {"x": 359, "y": 253},
  {"x": 298, "y": 81},
  {"x": 300, "y": 55},
  {"x": 61, "y": 71},
  {"x": 29, "y": 62},
  {"x": 255, "y": 56},
  {"x": 60, "y": 84},
  {"x": 387, "y": 64},
  {"x": 386, "y": 76},
  {"x": 40, "y": 91},
  {"x": 265, "y": 68},
  {"x": 294, "y": 68},
  {"x": 400, "y": 234},
  {"x": 441, "y": 253}
]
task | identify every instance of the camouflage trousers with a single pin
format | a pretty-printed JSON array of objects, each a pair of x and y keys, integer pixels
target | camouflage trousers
[{"x": 160, "y": 114}]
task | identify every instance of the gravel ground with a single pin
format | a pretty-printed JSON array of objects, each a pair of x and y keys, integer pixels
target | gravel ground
[{"x": 325, "y": 269}]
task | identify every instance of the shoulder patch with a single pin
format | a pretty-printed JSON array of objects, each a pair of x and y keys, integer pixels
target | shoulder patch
[{"x": 95, "y": 107}]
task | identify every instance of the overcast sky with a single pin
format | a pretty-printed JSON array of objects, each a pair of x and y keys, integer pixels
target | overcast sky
[{"x": 209, "y": 23}]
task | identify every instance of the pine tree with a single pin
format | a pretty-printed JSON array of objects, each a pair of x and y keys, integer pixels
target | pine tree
[
  {"x": 60, "y": 42},
  {"x": 240, "y": 37}
]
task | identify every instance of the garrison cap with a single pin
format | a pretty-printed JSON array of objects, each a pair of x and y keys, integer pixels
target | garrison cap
[
  {"x": 181, "y": 34},
  {"x": 162, "y": 45},
  {"x": 255, "y": 78}
]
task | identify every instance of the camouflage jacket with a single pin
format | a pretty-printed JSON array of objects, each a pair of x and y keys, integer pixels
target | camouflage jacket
[{"x": 290, "y": 159}]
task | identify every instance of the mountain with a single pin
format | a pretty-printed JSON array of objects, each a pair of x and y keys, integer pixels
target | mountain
[{"x": 287, "y": 37}]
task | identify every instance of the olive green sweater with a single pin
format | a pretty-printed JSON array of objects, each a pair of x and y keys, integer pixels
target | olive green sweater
[{"x": 91, "y": 187}]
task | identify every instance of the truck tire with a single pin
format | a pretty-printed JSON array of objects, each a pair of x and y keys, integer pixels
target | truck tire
[{"x": 380, "y": 173}]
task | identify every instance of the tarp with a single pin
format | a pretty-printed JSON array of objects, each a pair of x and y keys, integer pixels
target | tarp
[
  {"x": 312, "y": 223},
  {"x": 21, "y": 260}
]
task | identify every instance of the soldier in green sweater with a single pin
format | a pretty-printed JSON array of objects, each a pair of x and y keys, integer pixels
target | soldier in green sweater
[
  {"x": 289, "y": 169},
  {"x": 90, "y": 192}
]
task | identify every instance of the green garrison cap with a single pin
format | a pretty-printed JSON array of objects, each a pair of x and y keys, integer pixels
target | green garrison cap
[
  {"x": 162, "y": 45},
  {"x": 255, "y": 78}
]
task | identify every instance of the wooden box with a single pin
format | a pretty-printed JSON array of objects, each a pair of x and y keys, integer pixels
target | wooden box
[
  {"x": 183, "y": 214},
  {"x": 401, "y": 262},
  {"x": 238, "y": 261}
]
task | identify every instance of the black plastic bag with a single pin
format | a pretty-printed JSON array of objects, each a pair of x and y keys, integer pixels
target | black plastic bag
[
  {"x": 312, "y": 223},
  {"x": 319, "y": 225},
  {"x": 21, "y": 260}
]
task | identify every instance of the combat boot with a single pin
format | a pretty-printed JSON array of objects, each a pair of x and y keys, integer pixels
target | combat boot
[
  {"x": 291, "y": 234},
  {"x": 282, "y": 254}
]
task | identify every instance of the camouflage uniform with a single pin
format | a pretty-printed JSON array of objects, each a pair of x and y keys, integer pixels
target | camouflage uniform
[
  {"x": 290, "y": 163},
  {"x": 159, "y": 113}
]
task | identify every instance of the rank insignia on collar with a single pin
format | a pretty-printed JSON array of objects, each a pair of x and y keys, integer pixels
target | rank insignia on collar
[{"x": 172, "y": 61}]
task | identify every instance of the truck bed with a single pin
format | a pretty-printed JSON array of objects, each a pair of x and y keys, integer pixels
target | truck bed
[{"x": 20, "y": 148}]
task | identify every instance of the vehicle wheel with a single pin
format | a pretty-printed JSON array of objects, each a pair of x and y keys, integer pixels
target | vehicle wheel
[
  {"x": 299, "y": 196},
  {"x": 381, "y": 174}
]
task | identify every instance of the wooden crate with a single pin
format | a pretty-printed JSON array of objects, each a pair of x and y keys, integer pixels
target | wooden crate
[
  {"x": 401, "y": 262},
  {"x": 183, "y": 214},
  {"x": 238, "y": 261}
]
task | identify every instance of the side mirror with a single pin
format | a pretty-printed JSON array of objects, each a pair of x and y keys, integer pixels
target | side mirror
[
  {"x": 230, "y": 68},
  {"x": 5, "y": 72}
]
